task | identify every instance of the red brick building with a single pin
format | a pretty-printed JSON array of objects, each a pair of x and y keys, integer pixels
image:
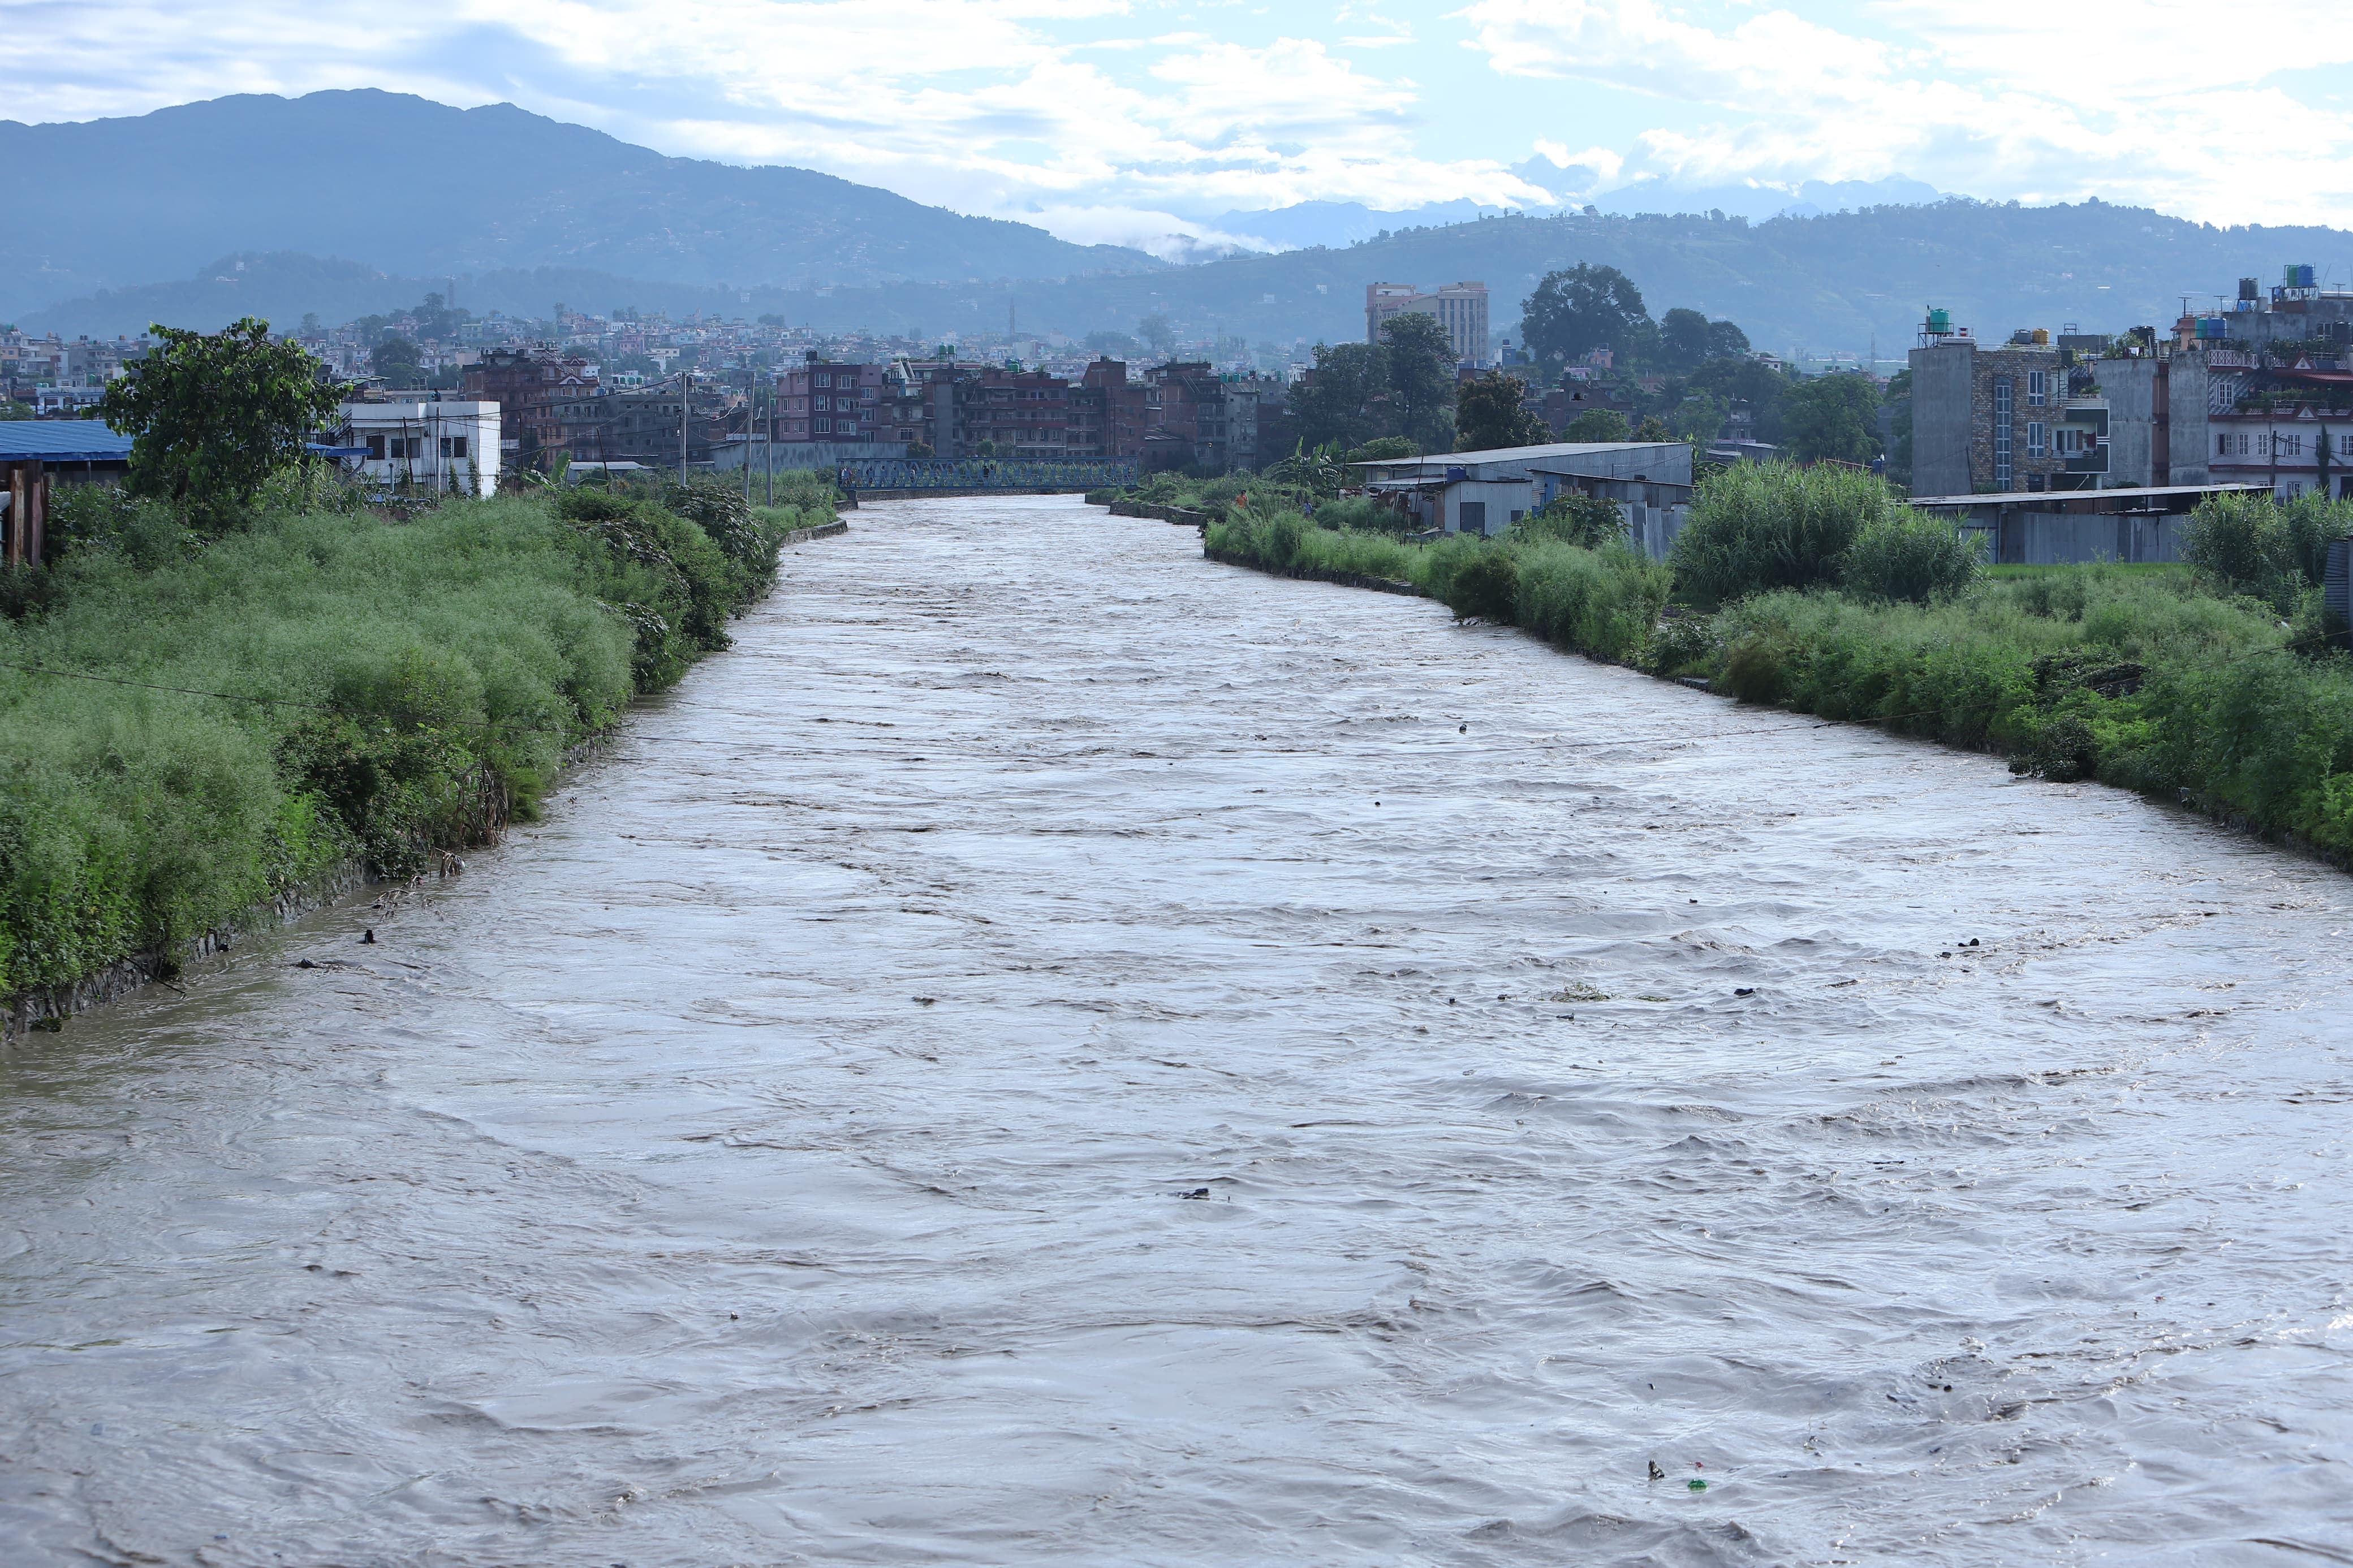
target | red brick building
[{"x": 527, "y": 384}]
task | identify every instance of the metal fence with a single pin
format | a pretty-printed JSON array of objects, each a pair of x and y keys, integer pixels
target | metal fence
[{"x": 990, "y": 474}]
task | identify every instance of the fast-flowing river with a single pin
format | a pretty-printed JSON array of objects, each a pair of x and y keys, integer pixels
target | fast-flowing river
[{"x": 1056, "y": 1051}]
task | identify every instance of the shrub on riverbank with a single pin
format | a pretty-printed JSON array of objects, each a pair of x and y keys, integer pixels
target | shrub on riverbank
[
  {"x": 1756, "y": 527},
  {"x": 1598, "y": 602},
  {"x": 400, "y": 688}
]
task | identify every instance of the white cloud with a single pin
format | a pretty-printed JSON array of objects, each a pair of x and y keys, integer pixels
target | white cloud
[
  {"x": 1139, "y": 118},
  {"x": 2006, "y": 99}
]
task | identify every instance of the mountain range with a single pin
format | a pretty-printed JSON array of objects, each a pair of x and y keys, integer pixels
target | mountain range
[
  {"x": 407, "y": 185},
  {"x": 349, "y": 203}
]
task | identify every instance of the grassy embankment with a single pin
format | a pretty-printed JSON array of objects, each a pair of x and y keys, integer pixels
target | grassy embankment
[
  {"x": 2209, "y": 683},
  {"x": 401, "y": 689}
]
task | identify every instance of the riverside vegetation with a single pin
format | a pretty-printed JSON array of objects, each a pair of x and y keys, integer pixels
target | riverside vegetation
[
  {"x": 2215, "y": 683},
  {"x": 396, "y": 689}
]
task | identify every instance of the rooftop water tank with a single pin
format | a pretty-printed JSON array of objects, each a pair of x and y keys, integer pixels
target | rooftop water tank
[
  {"x": 2041, "y": 337},
  {"x": 1939, "y": 318},
  {"x": 2250, "y": 290}
]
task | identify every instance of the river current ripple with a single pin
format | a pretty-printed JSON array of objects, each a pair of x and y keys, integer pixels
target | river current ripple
[{"x": 1056, "y": 1051}]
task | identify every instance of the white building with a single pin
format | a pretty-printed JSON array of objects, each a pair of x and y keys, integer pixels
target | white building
[{"x": 426, "y": 446}]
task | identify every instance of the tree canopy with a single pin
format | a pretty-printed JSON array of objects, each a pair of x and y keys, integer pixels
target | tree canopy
[
  {"x": 1580, "y": 309},
  {"x": 1421, "y": 379},
  {"x": 1832, "y": 417},
  {"x": 1488, "y": 413},
  {"x": 212, "y": 415}
]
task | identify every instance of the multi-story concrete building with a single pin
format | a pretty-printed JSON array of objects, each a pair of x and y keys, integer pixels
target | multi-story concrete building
[
  {"x": 431, "y": 445},
  {"x": 1461, "y": 309},
  {"x": 2024, "y": 416}
]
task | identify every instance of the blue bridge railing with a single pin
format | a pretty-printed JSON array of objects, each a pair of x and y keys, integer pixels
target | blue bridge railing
[{"x": 990, "y": 474}]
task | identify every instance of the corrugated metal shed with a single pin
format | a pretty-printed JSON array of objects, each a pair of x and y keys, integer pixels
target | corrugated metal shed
[{"x": 61, "y": 441}]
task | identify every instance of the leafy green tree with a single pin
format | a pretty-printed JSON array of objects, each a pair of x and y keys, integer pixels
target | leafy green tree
[
  {"x": 1421, "y": 364},
  {"x": 1725, "y": 340},
  {"x": 1344, "y": 398},
  {"x": 1699, "y": 418},
  {"x": 396, "y": 360},
  {"x": 1577, "y": 310},
  {"x": 1381, "y": 449},
  {"x": 1652, "y": 428},
  {"x": 1112, "y": 345},
  {"x": 1487, "y": 415},
  {"x": 1158, "y": 334},
  {"x": 1684, "y": 340},
  {"x": 16, "y": 410},
  {"x": 1832, "y": 417},
  {"x": 1745, "y": 381},
  {"x": 1596, "y": 425},
  {"x": 213, "y": 415}
]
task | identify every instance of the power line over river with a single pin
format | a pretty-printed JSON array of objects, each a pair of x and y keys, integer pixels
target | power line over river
[{"x": 1096, "y": 1057}]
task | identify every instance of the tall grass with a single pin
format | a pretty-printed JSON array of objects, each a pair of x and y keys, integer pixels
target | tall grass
[
  {"x": 393, "y": 689},
  {"x": 1598, "y": 602}
]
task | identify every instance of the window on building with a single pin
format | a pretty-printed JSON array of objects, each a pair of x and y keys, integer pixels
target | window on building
[
  {"x": 825, "y": 378},
  {"x": 2038, "y": 388},
  {"x": 2004, "y": 412},
  {"x": 2222, "y": 445},
  {"x": 453, "y": 446},
  {"x": 2037, "y": 434},
  {"x": 2242, "y": 443},
  {"x": 825, "y": 426},
  {"x": 375, "y": 448}
]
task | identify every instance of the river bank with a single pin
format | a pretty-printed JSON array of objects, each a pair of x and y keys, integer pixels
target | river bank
[
  {"x": 204, "y": 735},
  {"x": 2149, "y": 681}
]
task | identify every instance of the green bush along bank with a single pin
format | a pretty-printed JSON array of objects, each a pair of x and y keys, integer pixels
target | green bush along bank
[
  {"x": 1596, "y": 601},
  {"x": 400, "y": 689},
  {"x": 2214, "y": 683}
]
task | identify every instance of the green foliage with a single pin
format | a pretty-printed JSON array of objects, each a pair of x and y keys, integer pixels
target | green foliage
[
  {"x": 1603, "y": 602},
  {"x": 1382, "y": 449},
  {"x": 10, "y": 410},
  {"x": 1574, "y": 517},
  {"x": 2251, "y": 544},
  {"x": 1835, "y": 416},
  {"x": 1755, "y": 527},
  {"x": 1905, "y": 555},
  {"x": 1652, "y": 428},
  {"x": 1489, "y": 413},
  {"x": 1699, "y": 418},
  {"x": 1486, "y": 587},
  {"x": 1421, "y": 362},
  {"x": 212, "y": 418},
  {"x": 1318, "y": 472},
  {"x": 403, "y": 687},
  {"x": 1598, "y": 602},
  {"x": 1580, "y": 309},
  {"x": 1597, "y": 424},
  {"x": 396, "y": 360}
]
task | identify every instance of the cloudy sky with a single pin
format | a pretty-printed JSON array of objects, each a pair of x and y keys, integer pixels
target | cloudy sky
[{"x": 1123, "y": 120}]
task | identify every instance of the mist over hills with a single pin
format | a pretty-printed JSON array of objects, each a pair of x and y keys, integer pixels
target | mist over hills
[
  {"x": 411, "y": 186},
  {"x": 244, "y": 205}
]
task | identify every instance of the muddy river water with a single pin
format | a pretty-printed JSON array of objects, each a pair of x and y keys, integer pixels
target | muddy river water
[{"x": 1056, "y": 1051}]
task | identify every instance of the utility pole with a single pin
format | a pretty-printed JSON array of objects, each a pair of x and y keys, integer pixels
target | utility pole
[{"x": 685, "y": 400}]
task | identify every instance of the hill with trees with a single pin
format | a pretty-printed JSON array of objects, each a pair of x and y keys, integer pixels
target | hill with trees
[{"x": 408, "y": 186}]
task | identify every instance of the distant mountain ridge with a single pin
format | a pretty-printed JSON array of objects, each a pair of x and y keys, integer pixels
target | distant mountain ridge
[{"x": 413, "y": 186}]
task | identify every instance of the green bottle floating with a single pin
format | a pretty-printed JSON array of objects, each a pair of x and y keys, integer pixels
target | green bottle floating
[{"x": 1697, "y": 1484}]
